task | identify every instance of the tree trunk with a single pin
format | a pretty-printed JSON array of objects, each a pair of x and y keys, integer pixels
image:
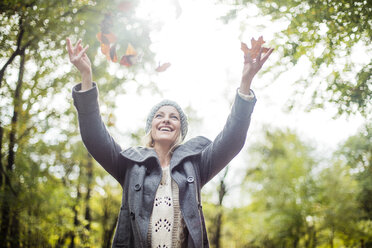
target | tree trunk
[
  {"x": 72, "y": 237},
  {"x": 216, "y": 237},
  {"x": 88, "y": 216},
  {"x": 331, "y": 239},
  {"x": 218, "y": 223},
  {"x": 105, "y": 238},
  {"x": 76, "y": 217},
  {"x": 314, "y": 239},
  {"x": 295, "y": 242},
  {"x": 10, "y": 193},
  {"x": 14, "y": 230},
  {"x": 108, "y": 233},
  {"x": 1, "y": 156},
  {"x": 4, "y": 223},
  {"x": 61, "y": 241}
]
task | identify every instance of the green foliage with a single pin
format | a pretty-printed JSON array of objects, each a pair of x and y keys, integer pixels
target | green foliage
[
  {"x": 357, "y": 154},
  {"x": 338, "y": 211},
  {"x": 52, "y": 193},
  {"x": 283, "y": 188},
  {"x": 326, "y": 33},
  {"x": 299, "y": 199}
]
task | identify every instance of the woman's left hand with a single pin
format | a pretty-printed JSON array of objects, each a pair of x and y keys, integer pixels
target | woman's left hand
[{"x": 251, "y": 67}]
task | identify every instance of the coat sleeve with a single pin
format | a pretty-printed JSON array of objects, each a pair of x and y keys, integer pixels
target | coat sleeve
[
  {"x": 229, "y": 141},
  {"x": 95, "y": 136}
]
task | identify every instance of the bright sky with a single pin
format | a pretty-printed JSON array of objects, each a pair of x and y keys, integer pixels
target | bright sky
[{"x": 205, "y": 73}]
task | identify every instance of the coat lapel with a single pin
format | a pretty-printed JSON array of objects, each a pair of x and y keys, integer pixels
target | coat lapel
[{"x": 189, "y": 148}]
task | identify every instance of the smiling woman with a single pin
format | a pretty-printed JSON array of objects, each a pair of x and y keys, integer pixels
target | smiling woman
[
  {"x": 167, "y": 125},
  {"x": 161, "y": 183}
]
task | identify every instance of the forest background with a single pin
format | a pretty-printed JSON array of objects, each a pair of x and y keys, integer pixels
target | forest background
[{"x": 304, "y": 178}]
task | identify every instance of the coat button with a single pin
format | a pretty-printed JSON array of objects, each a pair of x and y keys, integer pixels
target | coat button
[
  {"x": 132, "y": 215},
  {"x": 190, "y": 179},
  {"x": 137, "y": 187}
]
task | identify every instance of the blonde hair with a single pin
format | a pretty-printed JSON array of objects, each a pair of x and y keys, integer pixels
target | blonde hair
[{"x": 148, "y": 141}]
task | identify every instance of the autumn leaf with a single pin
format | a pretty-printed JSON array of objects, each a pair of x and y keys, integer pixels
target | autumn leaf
[
  {"x": 108, "y": 41},
  {"x": 113, "y": 56},
  {"x": 105, "y": 49},
  {"x": 130, "y": 56},
  {"x": 162, "y": 67},
  {"x": 131, "y": 50},
  {"x": 255, "y": 47}
]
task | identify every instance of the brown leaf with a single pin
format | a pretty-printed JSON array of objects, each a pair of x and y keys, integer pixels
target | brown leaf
[
  {"x": 127, "y": 60},
  {"x": 163, "y": 67},
  {"x": 113, "y": 56},
  {"x": 256, "y": 45}
]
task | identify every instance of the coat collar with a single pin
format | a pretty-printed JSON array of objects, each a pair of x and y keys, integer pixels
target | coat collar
[{"x": 189, "y": 148}]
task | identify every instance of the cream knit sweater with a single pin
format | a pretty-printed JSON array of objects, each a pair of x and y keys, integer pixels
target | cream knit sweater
[{"x": 167, "y": 228}]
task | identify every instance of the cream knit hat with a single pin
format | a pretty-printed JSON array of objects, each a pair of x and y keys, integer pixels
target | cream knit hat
[{"x": 183, "y": 117}]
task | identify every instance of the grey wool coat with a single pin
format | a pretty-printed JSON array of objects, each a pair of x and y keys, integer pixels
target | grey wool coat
[{"x": 138, "y": 171}]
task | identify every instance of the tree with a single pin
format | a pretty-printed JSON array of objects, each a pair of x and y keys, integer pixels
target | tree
[
  {"x": 326, "y": 33},
  {"x": 36, "y": 129},
  {"x": 282, "y": 189},
  {"x": 337, "y": 207},
  {"x": 356, "y": 154},
  {"x": 300, "y": 201},
  {"x": 215, "y": 212}
]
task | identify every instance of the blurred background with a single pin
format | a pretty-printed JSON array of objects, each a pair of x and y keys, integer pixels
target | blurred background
[{"x": 304, "y": 177}]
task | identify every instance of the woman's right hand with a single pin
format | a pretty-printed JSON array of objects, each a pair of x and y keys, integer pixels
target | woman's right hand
[{"x": 80, "y": 60}]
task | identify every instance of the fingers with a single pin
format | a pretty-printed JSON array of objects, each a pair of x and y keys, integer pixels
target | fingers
[
  {"x": 76, "y": 52},
  {"x": 69, "y": 47},
  {"x": 267, "y": 55},
  {"x": 82, "y": 52},
  {"x": 258, "y": 58},
  {"x": 77, "y": 46},
  {"x": 73, "y": 50}
]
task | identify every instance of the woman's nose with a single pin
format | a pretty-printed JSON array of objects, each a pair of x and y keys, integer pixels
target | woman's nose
[{"x": 166, "y": 119}]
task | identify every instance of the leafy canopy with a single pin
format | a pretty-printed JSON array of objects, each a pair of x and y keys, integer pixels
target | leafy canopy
[{"x": 327, "y": 33}]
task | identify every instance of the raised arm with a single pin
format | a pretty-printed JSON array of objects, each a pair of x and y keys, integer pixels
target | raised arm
[
  {"x": 252, "y": 66},
  {"x": 80, "y": 60},
  {"x": 231, "y": 139},
  {"x": 94, "y": 133}
]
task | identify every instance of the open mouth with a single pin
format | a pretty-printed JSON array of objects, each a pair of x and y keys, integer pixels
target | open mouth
[{"x": 165, "y": 129}]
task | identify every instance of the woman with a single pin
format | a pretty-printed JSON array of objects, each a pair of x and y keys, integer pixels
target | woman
[{"x": 161, "y": 183}]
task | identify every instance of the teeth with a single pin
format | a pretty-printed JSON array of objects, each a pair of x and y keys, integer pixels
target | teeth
[{"x": 165, "y": 129}]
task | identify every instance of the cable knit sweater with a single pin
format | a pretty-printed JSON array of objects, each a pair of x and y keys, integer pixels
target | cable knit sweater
[{"x": 167, "y": 228}]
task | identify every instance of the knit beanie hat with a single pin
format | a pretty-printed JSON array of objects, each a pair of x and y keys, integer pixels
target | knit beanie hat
[{"x": 183, "y": 117}]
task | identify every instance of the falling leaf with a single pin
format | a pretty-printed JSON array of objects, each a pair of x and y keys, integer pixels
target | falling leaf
[
  {"x": 113, "y": 56},
  {"x": 126, "y": 60},
  {"x": 130, "y": 56},
  {"x": 108, "y": 40},
  {"x": 162, "y": 67},
  {"x": 105, "y": 49},
  {"x": 130, "y": 50},
  {"x": 255, "y": 47}
]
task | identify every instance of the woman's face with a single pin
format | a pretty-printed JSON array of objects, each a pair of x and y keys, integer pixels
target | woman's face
[{"x": 166, "y": 126}]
